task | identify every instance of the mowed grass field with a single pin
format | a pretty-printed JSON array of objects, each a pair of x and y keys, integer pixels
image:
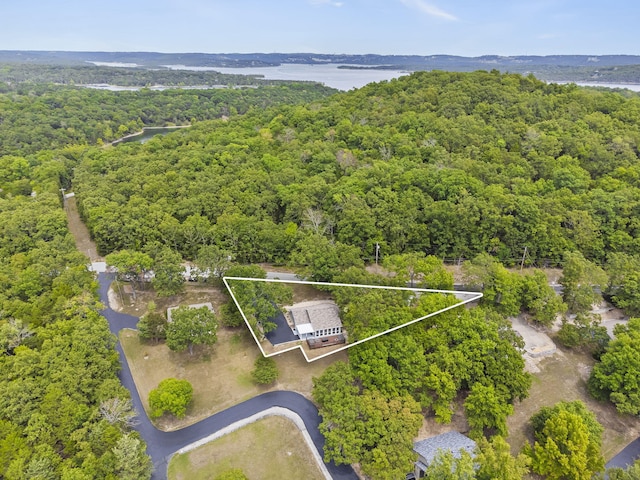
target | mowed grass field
[
  {"x": 269, "y": 449},
  {"x": 220, "y": 374}
]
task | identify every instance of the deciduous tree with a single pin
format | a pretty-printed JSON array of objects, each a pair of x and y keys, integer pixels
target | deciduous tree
[
  {"x": 171, "y": 395},
  {"x": 168, "y": 271},
  {"x": 617, "y": 376},
  {"x": 153, "y": 324},
  {"x": 265, "y": 370},
  {"x": 495, "y": 461},
  {"x": 568, "y": 439},
  {"x": 191, "y": 326}
]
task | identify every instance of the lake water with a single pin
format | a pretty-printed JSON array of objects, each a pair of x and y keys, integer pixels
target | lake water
[
  {"x": 329, "y": 74},
  {"x": 147, "y": 134},
  {"x": 634, "y": 87}
]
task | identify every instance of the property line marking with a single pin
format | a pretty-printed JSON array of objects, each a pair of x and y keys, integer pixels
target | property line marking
[{"x": 474, "y": 296}]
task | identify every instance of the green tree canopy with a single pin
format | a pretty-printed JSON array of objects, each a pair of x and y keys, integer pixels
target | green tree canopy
[
  {"x": 168, "y": 272},
  {"x": 568, "y": 440},
  {"x": 131, "y": 266},
  {"x": 172, "y": 396},
  {"x": 366, "y": 426},
  {"x": 617, "y": 376},
  {"x": 580, "y": 279},
  {"x": 265, "y": 370},
  {"x": 191, "y": 326},
  {"x": 495, "y": 461}
]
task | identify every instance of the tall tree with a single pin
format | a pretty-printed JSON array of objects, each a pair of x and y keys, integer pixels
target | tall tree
[
  {"x": 624, "y": 281},
  {"x": 447, "y": 466},
  {"x": 213, "y": 263},
  {"x": 418, "y": 269},
  {"x": 582, "y": 281},
  {"x": 153, "y": 324},
  {"x": 168, "y": 271},
  {"x": 132, "y": 463},
  {"x": 495, "y": 461},
  {"x": 568, "y": 440},
  {"x": 191, "y": 326},
  {"x": 617, "y": 376},
  {"x": 367, "y": 426},
  {"x": 486, "y": 410},
  {"x": 131, "y": 266}
]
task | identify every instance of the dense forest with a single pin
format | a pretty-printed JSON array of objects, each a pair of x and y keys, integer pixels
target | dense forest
[
  {"x": 36, "y": 117},
  {"x": 485, "y": 168},
  {"x": 447, "y": 164},
  {"x": 63, "y": 412}
]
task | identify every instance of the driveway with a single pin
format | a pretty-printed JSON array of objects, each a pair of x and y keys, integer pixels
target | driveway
[
  {"x": 162, "y": 445},
  {"x": 283, "y": 333},
  {"x": 627, "y": 456}
]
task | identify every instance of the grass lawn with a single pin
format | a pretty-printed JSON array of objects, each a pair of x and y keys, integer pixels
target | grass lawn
[
  {"x": 271, "y": 448},
  {"x": 220, "y": 375}
]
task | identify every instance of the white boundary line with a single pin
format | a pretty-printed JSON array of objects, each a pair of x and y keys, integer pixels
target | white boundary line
[{"x": 474, "y": 296}]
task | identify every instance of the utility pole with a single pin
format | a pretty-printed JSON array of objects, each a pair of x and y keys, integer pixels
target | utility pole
[
  {"x": 377, "y": 251},
  {"x": 523, "y": 257}
]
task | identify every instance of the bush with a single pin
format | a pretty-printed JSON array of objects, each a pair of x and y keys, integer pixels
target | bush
[
  {"x": 265, "y": 371},
  {"x": 172, "y": 395}
]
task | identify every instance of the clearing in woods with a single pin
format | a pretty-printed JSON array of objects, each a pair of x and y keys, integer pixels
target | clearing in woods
[{"x": 562, "y": 376}]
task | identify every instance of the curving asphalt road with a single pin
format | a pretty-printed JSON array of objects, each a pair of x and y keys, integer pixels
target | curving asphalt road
[{"x": 161, "y": 445}]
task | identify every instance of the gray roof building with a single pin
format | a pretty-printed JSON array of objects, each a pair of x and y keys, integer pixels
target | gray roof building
[
  {"x": 323, "y": 317},
  {"x": 427, "y": 449}
]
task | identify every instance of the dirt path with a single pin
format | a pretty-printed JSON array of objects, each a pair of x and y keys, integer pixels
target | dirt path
[{"x": 80, "y": 231}]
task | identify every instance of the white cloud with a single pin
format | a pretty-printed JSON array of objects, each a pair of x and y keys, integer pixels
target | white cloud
[
  {"x": 428, "y": 9},
  {"x": 326, "y": 2}
]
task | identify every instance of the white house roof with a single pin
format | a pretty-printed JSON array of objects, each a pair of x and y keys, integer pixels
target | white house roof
[{"x": 304, "y": 328}]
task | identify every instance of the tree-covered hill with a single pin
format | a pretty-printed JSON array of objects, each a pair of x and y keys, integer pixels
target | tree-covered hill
[
  {"x": 15, "y": 74},
  {"x": 63, "y": 411},
  {"x": 34, "y": 117},
  {"x": 450, "y": 164}
]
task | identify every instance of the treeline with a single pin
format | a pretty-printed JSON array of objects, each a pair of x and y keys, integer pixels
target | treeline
[
  {"x": 19, "y": 73},
  {"x": 63, "y": 411},
  {"x": 38, "y": 117},
  {"x": 448, "y": 164}
]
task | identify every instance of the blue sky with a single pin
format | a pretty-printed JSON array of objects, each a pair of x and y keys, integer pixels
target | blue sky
[{"x": 423, "y": 27}]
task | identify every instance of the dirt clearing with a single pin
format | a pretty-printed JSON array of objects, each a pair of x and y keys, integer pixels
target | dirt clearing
[{"x": 563, "y": 377}]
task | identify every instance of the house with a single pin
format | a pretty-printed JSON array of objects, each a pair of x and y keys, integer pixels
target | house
[
  {"x": 318, "y": 323},
  {"x": 428, "y": 449}
]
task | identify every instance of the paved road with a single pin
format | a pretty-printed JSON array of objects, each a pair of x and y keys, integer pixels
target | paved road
[
  {"x": 627, "y": 456},
  {"x": 161, "y": 445},
  {"x": 289, "y": 277}
]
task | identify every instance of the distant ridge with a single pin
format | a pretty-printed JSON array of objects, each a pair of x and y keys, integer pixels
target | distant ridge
[
  {"x": 155, "y": 59},
  {"x": 571, "y": 68}
]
